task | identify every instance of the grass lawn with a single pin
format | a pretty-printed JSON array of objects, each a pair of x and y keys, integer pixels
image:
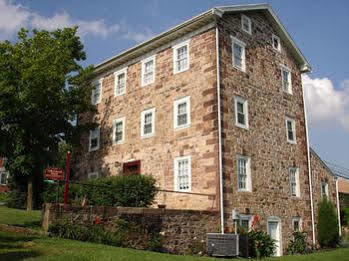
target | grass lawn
[
  {"x": 22, "y": 218},
  {"x": 19, "y": 247}
]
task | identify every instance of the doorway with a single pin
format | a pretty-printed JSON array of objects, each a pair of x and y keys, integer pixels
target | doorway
[{"x": 274, "y": 230}]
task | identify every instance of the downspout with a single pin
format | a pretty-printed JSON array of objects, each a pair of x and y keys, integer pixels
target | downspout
[
  {"x": 309, "y": 168},
  {"x": 219, "y": 132},
  {"x": 338, "y": 208}
]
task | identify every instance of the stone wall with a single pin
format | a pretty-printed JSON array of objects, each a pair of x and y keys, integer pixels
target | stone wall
[
  {"x": 265, "y": 142},
  {"x": 158, "y": 152},
  {"x": 179, "y": 228},
  {"x": 321, "y": 173}
]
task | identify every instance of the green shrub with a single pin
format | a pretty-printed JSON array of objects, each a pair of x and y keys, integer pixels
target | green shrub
[
  {"x": 260, "y": 244},
  {"x": 155, "y": 243},
  {"x": 4, "y": 197},
  {"x": 125, "y": 191},
  {"x": 344, "y": 216},
  {"x": 299, "y": 243},
  {"x": 327, "y": 225},
  {"x": 17, "y": 199}
]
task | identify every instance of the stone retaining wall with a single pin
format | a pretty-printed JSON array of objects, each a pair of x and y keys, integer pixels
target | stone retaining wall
[{"x": 181, "y": 229}]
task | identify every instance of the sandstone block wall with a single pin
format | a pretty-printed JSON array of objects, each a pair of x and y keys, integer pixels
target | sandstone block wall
[
  {"x": 179, "y": 228},
  {"x": 157, "y": 153},
  {"x": 265, "y": 141}
]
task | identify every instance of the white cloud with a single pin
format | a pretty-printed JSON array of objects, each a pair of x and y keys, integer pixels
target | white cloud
[
  {"x": 95, "y": 27},
  {"x": 325, "y": 104},
  {"x": 13, "y": 17}
]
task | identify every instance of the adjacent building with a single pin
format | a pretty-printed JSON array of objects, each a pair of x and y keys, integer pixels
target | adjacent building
[{"x": 214, "y": 110}]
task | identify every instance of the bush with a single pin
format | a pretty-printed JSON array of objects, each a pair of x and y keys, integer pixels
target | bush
[
  {"x": 17, "y": 199},
  {"x": 4, "y": 197},
  {"x": 327, "y": 225},
  {"x": 299, "y": 243},
  {"x": 125, "y": 191},
  {"x": 260, "y": 244},
  {"x": 345, "y": 216}
]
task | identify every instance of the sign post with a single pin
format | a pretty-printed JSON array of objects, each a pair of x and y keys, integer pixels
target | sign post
[{"x": 67, "y": 173}]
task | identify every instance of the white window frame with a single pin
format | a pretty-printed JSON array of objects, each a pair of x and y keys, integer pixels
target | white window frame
[
  {"x": 6, "y": 178},
  {"x": 143, "y": 113},
  {"x": 93, "y": 175},
  {"x": 297, "y": 181},
  {"x": 299, "y": 219},
  {"x": 272, "y": 42},
  {"x": 289, "y": 79},
  {"x": 99, "y": 140},
  {"x": 100, "y": 82},
  {"x": 175, "y": 170},
  {"x": 246, "y": 217},
  {"x": 245, "y": 108},
  {"x": 248, "y": 173},
  {"x": 176, "y": 103},
  {"x": 326, "y": 189},
  {"x": 175, "y": 48},
  {"x": 249, "y": 31},
  {"x": 122, "y": 120},
  {"x": 152, "y": 58},
  {"x": 116, "y": 87},
  {"x": 243, "y": 54},
  {"x": 293, "y": 124}
]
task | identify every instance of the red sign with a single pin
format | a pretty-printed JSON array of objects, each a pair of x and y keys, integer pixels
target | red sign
[{"x": 54, "y": 173}]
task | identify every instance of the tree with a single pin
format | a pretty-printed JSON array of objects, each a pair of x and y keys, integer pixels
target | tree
[
  {"x": 42, "y": 89},
  {"x": 327, "y": 225}
]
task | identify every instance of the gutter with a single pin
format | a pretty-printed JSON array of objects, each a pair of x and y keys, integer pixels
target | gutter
[
  {"x": 219, "y": 132},
  {"x": 309, "y": 170},
  {"x": 338, "y": 208}
]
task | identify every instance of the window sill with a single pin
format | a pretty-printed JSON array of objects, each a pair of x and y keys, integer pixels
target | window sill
[
  {"x": 241, "y": 126},
  {"x": 118, "y": 143},
  {"x": 240, "y": 69},
  {"x": 176, "y": 72},
  {"x": 93, "y": 149},
  {"x": 146, "y": 84},
  {"x": 245, "y": 191},
  {"x": 182, "y": 127},
  {"x": 120, "y": 94},
  {"x": 292, "y": 142},
  {"x": 147, "y": 136}
]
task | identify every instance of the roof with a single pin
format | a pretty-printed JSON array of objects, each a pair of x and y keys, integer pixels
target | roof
[
  {"x": 197, "y": 22},
  {"x": 323, "y": 162}
]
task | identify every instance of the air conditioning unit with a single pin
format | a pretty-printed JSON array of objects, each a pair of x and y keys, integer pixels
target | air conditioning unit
[{"x": 222, "y": 244}]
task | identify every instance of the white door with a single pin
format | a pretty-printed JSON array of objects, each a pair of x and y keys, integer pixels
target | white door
[{"x": 274, "y": 232}]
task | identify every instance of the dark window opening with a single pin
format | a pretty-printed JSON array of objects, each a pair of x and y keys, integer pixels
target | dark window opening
[{"x": 132, "y": 168}]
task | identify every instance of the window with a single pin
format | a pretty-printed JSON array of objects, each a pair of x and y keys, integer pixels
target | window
[
  {"x": 246, "y": 24},
  {"x": 182, "y": 174},
  {"x": 119, "y": 131},
  {"x": 132, "y": 167},
  {"x": 294, "y": 182},
  {"x": 94, "y": 139},
  {"x": 148, "y": 123},
  {"x": 297, "y": 224},
  {"x": 148, "y": 71},
  {"x": 241, "y": 112},
  {"x": 290, "y": 130},
  {"x": 238, "y": 54},
  {"x": 93, "y": 175},
  {"x": 3, "y": 178},
  {"x": 243, "y": 173},
  {"x": 276, "y": 42},
  {"x": 324, "y": 189},
  {"x": 181, "y": 113},
  {"x": 120, "y": 82},
  {"x": 96, "y": 92},
  {"x": 181, "y": 57},
  {"x": 286, "y": 79},
  {"x": 245, "y": 222}
]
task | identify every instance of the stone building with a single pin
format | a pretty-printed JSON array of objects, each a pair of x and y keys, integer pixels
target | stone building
[
  {"x": 3, "y": 176},
  {"x": 213, "y": 109}
]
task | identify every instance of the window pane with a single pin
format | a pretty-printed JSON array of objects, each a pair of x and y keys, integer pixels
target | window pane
[
  {"x": 120, "y": 83},
  {"x": 182, "y": 116},
  {"x": 296, "y": 225},
  {"x": 285, "y": 82},
  {"x": 242, "y": 174},
  {"x": 148, "y": 72},
  {"x": 245, "y": 224},
  {"x": 148, "y": 117},
  {"x": 293, "y": 182},
  {"x": 241, "y": 118},
  {"x": 276, "y": 42},
  {"x": 237, "y": 55},
  {"x": 182, "y": 58},
  {"x": 183, "y": 174},
  {"x": 3, "y": 178},
  {"x": 96, "y": 93},
  {"x": 118, "y": 131},
  {"x": 94, "y": 142}
]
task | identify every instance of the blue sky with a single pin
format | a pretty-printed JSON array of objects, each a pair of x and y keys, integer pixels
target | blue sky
[{"x": 319, "y": 28}]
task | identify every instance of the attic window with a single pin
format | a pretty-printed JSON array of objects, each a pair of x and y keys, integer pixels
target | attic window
[
  {"x": 246, "y": 24},
  {"x": 276, "y": 43}
]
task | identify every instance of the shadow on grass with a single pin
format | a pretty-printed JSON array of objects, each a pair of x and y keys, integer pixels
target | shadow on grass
[
  {"x": 31, "y": 224},
  {"x": 12, "y": 247},
  {"x": 18, "y": 255}
]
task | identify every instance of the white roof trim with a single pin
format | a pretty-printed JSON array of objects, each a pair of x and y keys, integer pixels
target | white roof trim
[{"x": 202, "y": 19}]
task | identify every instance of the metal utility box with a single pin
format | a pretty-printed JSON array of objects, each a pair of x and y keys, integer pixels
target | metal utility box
[{"x": 222, "y": 244}]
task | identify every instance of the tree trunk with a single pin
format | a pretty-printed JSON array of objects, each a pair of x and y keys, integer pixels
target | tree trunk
[{"x": 30, "y": 194}]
